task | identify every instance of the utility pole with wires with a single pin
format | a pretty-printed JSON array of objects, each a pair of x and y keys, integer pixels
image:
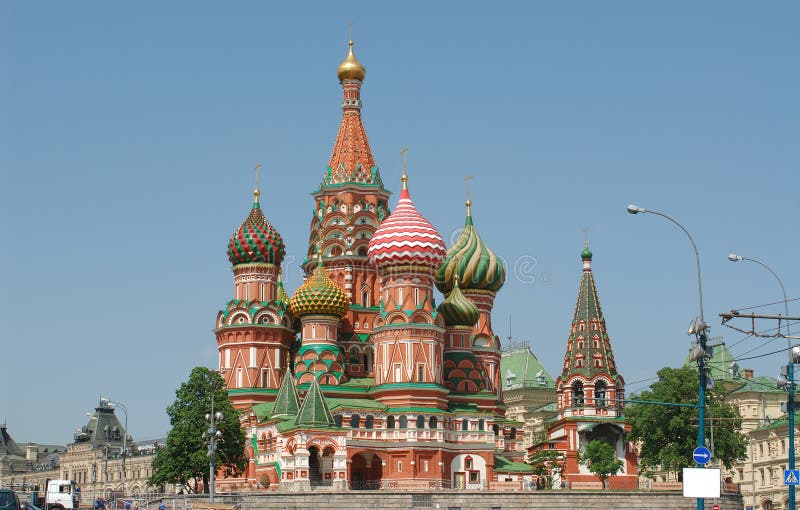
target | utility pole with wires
[{"x": 786, "y": 378}]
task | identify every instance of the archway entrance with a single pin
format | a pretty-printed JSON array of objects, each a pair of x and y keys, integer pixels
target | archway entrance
[
  {"x": 366, "y": 471},
  {"x": 314, "y": 473}
]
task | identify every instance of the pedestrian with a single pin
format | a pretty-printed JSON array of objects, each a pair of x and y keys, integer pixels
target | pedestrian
[{"x": 161, "y": 505}]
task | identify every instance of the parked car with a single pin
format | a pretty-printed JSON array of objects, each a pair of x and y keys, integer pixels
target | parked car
[{"x": 10, "y": 501}]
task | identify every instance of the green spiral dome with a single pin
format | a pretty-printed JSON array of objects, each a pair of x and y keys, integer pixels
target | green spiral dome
[
  {"x": 457, "y": 310},
  {"x": 473, "y": 261}
]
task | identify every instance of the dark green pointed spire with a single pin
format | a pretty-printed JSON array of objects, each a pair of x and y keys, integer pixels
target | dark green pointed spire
[
  {"x": 287, "y": 403},
  {"x": 589, "y": 347},
  {"x": 314, "y": 410}
]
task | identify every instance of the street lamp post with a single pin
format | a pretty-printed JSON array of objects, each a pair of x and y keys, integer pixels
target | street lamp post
[
  {"x": 698, "y": 328},
  {"x": 213, "y": 435},
  {"x": 788, "y": 384}
]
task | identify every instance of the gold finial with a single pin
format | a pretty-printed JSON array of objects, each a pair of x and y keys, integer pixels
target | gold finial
[
  {"x": 256, "y": 192},
  {"x": 350, "y": 31},
  {"x": 586, "y": 236},
  {"x": 404, "y": 178},
  {"x": 351, "y": 68},
  {"x": 468, "y": 180}
]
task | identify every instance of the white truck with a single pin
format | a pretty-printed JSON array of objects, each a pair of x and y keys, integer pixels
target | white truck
[{"x": 58, "y": 495}]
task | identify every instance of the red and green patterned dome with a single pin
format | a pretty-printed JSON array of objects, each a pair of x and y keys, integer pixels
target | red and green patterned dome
[
  {"x": 406, "y": 238},
  {"x": 256, "y": 240},
  {"x": 320, "y": 295},
  {"x": 457, "y": 310},
  {"x": 475, "y": 264}
]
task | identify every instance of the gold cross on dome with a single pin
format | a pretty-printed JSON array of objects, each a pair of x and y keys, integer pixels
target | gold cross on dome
[
  {"x": 255, "y": 169},
  {"x": 586, "y": 235},
  {"x": 468, "y": 180},
  {"x": 350, "y": 30},
  {"x": 404, "y": 154}
]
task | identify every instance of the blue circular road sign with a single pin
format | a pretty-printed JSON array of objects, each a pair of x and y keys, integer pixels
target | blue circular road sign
[{"x": 701, "y": 455}]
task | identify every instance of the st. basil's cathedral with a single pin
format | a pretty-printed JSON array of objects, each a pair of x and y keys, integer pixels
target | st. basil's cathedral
[{"x": 359, "y": 380}]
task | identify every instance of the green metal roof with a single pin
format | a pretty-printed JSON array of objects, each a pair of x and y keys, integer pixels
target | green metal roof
[
  {"x": 524, "y": 369},
  {"x": 337, "y": 404},
  {"x": 504, "y": 465}
]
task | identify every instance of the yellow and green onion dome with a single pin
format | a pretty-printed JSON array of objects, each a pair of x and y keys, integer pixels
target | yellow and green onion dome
[
  {"x": 319, "y": 295},
  {"x": 256, "y": 240},
  {"x": 457, "y": 310},
  {"x": 474, "y": 263}
]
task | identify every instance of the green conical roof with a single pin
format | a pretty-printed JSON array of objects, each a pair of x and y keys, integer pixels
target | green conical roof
[
  {"x": 473, "y": 261},
  {"x": 457, "y": 310},
  {"x": 314, "y": 410},
  {"x": 287, "y": 403},
  {"x": 280, "y": 293}
]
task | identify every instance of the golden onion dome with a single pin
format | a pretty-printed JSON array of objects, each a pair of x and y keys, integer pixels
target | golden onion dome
[
  {"x": 319, "y": 295},
  {"x": 351, "y": 68}
]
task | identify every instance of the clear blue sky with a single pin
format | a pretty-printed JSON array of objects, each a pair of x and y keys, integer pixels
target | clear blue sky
[{"x": 130, "y": 130}]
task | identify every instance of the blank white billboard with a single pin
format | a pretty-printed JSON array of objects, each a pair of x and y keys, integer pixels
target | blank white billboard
[{"x": 701, "y": 482}]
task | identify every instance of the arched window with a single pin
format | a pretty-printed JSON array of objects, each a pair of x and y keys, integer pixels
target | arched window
[
  {"x": 513, "y": 434},
  {"x": 368, "y": 422},
  {"x": 577, "y": 394},
  {"x": 464, "y": 424},
  {"x": 337, "y": 419},
  {"x": 354, "y": 419},
  {"x": 390, "y": 422},
  {"x": 404, "y": 422},
  {"x": 600, "y": 394},
  {"x": 620, "y": 396},
  {"x": 433, "y": 422},
  {"x": 420, "y": 422},
  {"x": 481, "y": 425},
  {"x": 495, "y": 429}
]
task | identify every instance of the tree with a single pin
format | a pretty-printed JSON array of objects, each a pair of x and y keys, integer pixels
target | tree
[
  {"x": 545, "y": 464},
  {"x": 599, "y": 457},
  {"x": 668, "y": 434},
  {"x": 184, "y": 460}
]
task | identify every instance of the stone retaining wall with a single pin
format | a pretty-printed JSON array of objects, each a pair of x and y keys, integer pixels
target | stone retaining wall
[{"x": 460, "y": 500}]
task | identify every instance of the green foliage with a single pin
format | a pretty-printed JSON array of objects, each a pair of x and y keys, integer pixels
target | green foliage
[
  {"x": 184, "y": 461},
  {"x": 601, "y": 460},
  {"x": 546, "y": 463},
  {"x": 668, "y": 434}
]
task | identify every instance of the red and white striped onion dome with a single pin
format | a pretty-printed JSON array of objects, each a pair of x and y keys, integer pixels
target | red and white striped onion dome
[{"x": 406, "y": 238}]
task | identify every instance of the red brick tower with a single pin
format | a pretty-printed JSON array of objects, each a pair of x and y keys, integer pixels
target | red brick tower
[
  {"x": 254, "y": 331},
  {"x": 590, "y": 392},
  {"x": 480, "y": 275},
  {"x": 408, "y": 334},
  {"x": 350, "y": 203}
]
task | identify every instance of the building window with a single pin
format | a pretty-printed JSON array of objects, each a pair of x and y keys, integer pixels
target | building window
[
  {"x": 337, "y": 419},
  {"x": 253, "y": 353},
  {"x": 420, "y": 373},
  {"x": 598, "y": 362},
  {"x": 368, "y": 422},
  {"x": 354, "y": 419},
  {"x": 464, "y": 424},
  {"x": 420, "y": 422},
  {"x": 433, "y": 422},
  {"x": 399, "y": 466},
  {"x": 404, "y": 422},
  {"x": 468, "y": 463},
  {"x": 481, "y": 424},
  {"x": 425, "y": 465},
  {"x": 600, "y": 394},
  {"x": 474, "y": 476},
  {"x": 577, "y": 394},
  {"x": 390, "y": 422},
  {"x": 239, "y": 378}
]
